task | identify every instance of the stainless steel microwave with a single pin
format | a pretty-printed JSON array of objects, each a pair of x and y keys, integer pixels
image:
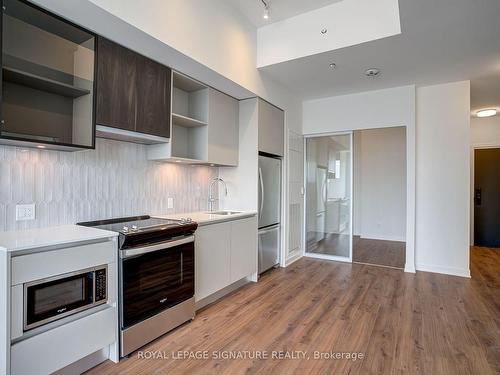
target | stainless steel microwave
[{"x": 56, "y": 297}]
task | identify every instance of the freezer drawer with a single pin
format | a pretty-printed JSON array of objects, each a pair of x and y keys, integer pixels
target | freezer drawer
[{"x": 269, "y": 246}]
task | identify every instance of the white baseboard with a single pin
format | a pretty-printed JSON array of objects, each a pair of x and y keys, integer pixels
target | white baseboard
[
  {"x": 444, "y": 270},
  {"x": 382, "y": 238},
  {"x": 410, "y": 269},
  {"x": 293, "y": 258}
]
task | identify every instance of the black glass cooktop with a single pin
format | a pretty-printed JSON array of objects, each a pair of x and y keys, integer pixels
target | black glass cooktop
[
  {"x": 144, "y": 230},
  {"x": 126, "y": 225}
]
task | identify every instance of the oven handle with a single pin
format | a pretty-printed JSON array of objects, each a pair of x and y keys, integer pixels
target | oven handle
[{"x": 124, "y": 254}]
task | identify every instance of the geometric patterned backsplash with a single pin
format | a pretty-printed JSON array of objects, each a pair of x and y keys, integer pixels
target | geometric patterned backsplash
[{"x": 114, "y": 180}]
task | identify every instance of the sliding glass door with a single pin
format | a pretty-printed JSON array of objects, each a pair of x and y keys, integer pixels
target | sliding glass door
[{"x": 328, "y": 198}]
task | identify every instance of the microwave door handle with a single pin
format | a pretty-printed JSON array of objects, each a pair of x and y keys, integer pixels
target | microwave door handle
[{"x": 261, "y": 180}]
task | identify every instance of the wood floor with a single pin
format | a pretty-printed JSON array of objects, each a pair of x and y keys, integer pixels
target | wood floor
[
  {"x": 379, "y": 252},
  {"x": 402, "y": 323},
  {"x": 331, "y": 244}
]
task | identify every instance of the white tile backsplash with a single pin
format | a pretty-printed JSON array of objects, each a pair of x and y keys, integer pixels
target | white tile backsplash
[{"x": 114, "y": 180}]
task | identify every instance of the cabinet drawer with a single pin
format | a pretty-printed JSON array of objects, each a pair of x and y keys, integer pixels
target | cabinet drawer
[
  {"x": 59, "y": 347},
  {"x": 27, "y": 268}
]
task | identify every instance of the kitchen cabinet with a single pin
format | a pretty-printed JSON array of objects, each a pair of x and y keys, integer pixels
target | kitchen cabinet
[
  {"x": 212, "y": 259},
  {"x": 224, "y": 253},
  {"x": 243, "y": 248},
  {"x": 205, "y": 126},
  {"x": 153, "y": 98},
  {"x": 223, "y": 129},
  {"x": 116, "y": 78},
  {"x": 133, "y": 93},
  {"x": 47, "y": 80},
  {"x": 271, "y": 129}
]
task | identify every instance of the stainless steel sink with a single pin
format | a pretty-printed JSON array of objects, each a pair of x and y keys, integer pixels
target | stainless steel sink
[{"x": 224, "y": 212}]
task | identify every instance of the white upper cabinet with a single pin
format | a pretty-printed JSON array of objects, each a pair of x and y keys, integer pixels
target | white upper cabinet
[
  {"x": 223, "y": 129},
  {"x": 271, "y": 129}
]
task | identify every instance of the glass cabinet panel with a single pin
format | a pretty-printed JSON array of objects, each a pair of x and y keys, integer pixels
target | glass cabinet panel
[{"x": 47, "y": 78}]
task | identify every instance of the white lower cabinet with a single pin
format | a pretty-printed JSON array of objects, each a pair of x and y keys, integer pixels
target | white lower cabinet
[
  {"x": 61, "y": 346},
  {"x": 225, "y": 252},
  {"x": 243, "y": 248},
  {"x": 212, "y": 249}
]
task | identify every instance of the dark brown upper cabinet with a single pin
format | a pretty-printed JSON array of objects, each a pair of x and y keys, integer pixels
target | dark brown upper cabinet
[
  {"x": 153, "y": 98},
  {"x": 48, "y": 71},
  {"x": 133, "y": 92},
  {"x": 116, "y": 81}
]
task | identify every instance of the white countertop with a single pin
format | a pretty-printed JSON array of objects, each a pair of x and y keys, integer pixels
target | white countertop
[
  {"x": 35, "y": 238},
  {"x": 206, "y": 218}
]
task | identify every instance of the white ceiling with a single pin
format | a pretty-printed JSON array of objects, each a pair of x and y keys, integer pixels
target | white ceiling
[
  {"x": 441, "y": 41},
  {"x": 278, "y": 9}
]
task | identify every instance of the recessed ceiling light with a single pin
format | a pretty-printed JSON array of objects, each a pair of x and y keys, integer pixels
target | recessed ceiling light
[
  {"x": 372, "y": 72},
  {"x": 333, "y": 65},
  {"x": 178, "y": 161},
  {"x": 40, "y": 146},
  {"x": 324, "y": 31},
  {"x": 486, "y": 113}
]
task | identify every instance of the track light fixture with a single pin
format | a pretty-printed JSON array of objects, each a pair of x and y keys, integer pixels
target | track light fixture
[{"x": 265, "y": 15}]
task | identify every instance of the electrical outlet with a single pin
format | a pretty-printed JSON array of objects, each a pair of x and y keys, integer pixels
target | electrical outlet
[
  {"x": 25, "y": 212},
  {"x": 170, "y": 202}
]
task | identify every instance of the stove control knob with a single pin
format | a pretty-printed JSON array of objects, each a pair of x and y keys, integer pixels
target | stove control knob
[
  {"x": 125, "y": 229},
  {"x": 189, "y": 220},
  {"x": 134, "y": 227}
]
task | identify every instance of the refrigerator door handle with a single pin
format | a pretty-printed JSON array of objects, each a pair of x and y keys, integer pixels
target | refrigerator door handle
[
  {"x": 262, "y": 193},
  {"x": 268, "y": 230}
]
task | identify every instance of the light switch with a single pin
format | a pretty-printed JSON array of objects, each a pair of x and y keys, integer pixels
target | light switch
[{"x": 25, "y": 212}]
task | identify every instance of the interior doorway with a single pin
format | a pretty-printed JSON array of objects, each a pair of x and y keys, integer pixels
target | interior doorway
[
  {"x": 487, "y": 197},
  {"x": 356, "y": 197},
  {"x": 379, "y": 198}
]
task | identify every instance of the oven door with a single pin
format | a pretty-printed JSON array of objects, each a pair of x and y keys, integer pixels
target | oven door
[
  {"x": 155, "y": 278},
  {"x": 53, "y": 298}
]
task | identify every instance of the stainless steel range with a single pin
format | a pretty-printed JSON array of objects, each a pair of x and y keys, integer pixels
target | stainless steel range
[{"x": 156, "y": 276}]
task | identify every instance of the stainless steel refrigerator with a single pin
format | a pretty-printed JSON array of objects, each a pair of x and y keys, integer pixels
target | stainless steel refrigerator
[{"x": 269, "y": 212}]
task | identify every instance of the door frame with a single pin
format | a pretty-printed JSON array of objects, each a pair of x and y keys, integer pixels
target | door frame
[
  {"x": 351, "y": 159},
  {"x": 473, "y": 148}
]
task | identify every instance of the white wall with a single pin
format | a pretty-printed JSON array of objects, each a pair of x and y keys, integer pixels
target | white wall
[
  {"x": 437, "y": 120},
  {"x": 485, "y": 131},
  {"x": 380, "y": 184},
  {"x": 372, "y": 110},
  {"x": 366, "y": 110},
  {"x": 443, "y": 173}
]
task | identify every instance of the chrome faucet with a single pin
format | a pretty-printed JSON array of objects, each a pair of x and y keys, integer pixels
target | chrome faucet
[{"x": 211, "y": 198}]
